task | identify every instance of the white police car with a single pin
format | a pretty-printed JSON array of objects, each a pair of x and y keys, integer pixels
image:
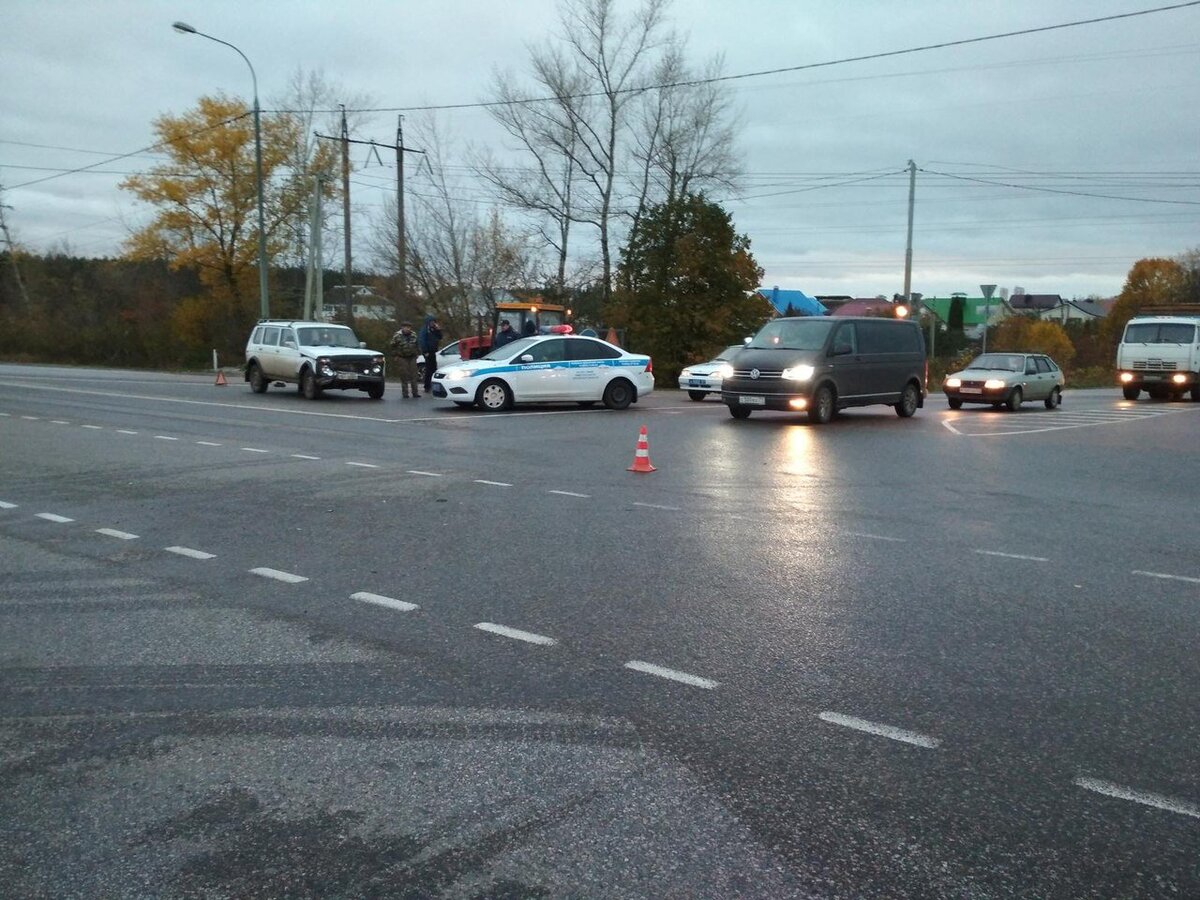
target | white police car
[{"x": 547, "y": 368}]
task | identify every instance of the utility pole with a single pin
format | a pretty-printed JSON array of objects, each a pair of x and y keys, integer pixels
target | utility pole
[
  {"x": 346, "y": 214},
  {"x": 314, "y": 287},
  {"x": 912, "y": 193},
  {"x": 12, "y": 254},
  {"x": 988, "y": 290},
  {"x": 401, "y": 243}
]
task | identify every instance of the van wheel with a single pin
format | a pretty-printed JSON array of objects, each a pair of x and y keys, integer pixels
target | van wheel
[
  {"x": 739, "y": 412},
  {"x": 618, "y": 394},
  {"x": 309, "y": 386},
  {"x": 258, "y": 381},
  {"x": 1014, "y": 400},
  {"x": 494, "y": 396},
  {"x": 1055, "y": 398},
  {"x": 1132, "y": 393},
  {"x": 909, "y": 398},
  {"x": 955, "y": 402},
  {"x": 697, "y": 395},
  {"x": 821, "y": 410}
]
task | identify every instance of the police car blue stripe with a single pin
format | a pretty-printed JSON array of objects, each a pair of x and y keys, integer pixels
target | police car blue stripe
[{"x": 562, "y": 364}]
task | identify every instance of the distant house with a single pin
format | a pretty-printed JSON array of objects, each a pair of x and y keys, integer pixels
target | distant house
[
  {"x": 365, "y": 303},
  {"x": 1075, "y": 311},
  {"x": 874, "y": 307},
  {"x": 792, "y": 303}
]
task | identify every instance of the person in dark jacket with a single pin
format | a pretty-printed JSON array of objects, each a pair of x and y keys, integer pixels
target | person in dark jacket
[
  {"x": 505, "y": 335},
  {"x": 430, "y": 339},
  {"x": 530, "y": 329}
]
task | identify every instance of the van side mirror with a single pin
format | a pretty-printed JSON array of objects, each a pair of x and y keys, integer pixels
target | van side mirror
[{"x": 841, "y": 350}]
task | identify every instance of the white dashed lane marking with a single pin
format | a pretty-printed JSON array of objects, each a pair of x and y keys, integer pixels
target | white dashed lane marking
[
  {"x": 875, "y": 537},
  {"x": 125, "y": 431},
  {"x": 52, "y": 517},
  {"x": 887, "y": 731},
  {"x": 165, "y": 437},
  {"x": 381, "y": 600},
  {"x": 59, "y": 422},
  {"x": 255, "y": 450},
  {"x": 190, "y": 553},
  {"x": 426, "y": 474},
  {"x": 277, "y": 575},
  {"x": 303, "y": 456},
  {"x": 516, "y": 634},
  {"x": 1186, "y": 578},
  {"x": 112, "y": 532},
  {"x": 363, "y": 465},
  {"x": 493, "y": 483},
  {"x": 656, "y": 506},
  {"x": 93, "y": 427},
  {"x": 1011, "y": 555},
  {"x": 208, "y": 444},
  {"x": 4, "y": 504},
  {"x": 1158, "y": 801},
  {"x": 570, "y": 494},
  {"x": 673, "y": 674}
]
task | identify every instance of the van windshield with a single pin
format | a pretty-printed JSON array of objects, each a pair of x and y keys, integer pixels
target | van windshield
[
  {"x": 792, "y": 334},
  {"x": 1160, "y": 333}
]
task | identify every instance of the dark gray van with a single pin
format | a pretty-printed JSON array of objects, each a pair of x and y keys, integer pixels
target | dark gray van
[{"x": 821, "y": 364}]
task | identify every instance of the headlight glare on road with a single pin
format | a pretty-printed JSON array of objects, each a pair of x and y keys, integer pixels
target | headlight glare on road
[
  {"x": 994, "y": 384},
  {"x": 725, "y": 371},
  {"x": 953, "y": 382},
  {"x": 797, "y": 373}
]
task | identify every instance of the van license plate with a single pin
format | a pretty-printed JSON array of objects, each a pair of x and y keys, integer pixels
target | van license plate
[
  {"x": 347, "y": 376},
  {"x": 752, "y": 401}
]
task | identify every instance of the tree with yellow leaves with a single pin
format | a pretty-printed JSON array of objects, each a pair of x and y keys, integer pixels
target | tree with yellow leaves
[{"x": 206, "y": 209}]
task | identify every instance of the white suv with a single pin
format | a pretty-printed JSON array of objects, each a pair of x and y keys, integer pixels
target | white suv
[{"x": 316, "y": 356}]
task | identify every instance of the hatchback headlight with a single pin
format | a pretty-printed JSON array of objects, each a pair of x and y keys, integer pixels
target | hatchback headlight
[
  {"x": 953, "y": 382},
  {"x": 725, "y": 371},
  {"x": 797, "y": 373},
  {"x": 686, "y": 373},
  {"x": 457, "y": 374},
  {"x": 995, "y": 384}
]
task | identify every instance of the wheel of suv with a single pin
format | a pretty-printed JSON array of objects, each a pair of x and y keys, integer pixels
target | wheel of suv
[
  {"x": 258, "y": 381},
  {"x": 618, "y": 394},
  {"x": 1131, "y": 393},
  {"x": 909, "y": 398},
  {"x": 1055, "y": 398},
  {"x": 309, "y": 386},
  {"x": 821, "y": 410},
  {"x": 697, "y": 395},
  {"x": 1014, "y": 400},
  {"x": 955, "y": 402},
  {"x": 494, "y": 396},
  {"x": 375, "y": 392}
]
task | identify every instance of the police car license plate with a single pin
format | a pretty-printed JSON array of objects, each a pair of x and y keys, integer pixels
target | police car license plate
[
  {"x": 752, "y": 401},
  {"x": 970, "y": 391}
]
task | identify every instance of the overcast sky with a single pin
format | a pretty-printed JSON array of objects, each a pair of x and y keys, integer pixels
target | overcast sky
[{"x": 1107, "y": 108}]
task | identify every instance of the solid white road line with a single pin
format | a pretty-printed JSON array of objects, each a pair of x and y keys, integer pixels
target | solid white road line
[
  {"x": 380, "y": 600},
  {"x": 208, "y": 443},
  {"x": 673, "y": 674},
  {"x": 656, "y": 506},
  {"x": 1164, "y": 575},
  {"x": 1158, "y": 801},
  {"x": 303, "y": 456},
  {"x": 51, "y": 517},
  {"x": 255, "y": 450},
  {"x": 363, "y": 465},
  {"x": 516, "y": 634},
  {"x": 493, "y": 483},
  {"x": 426, "y": 474},
  {"x": 887, "y": 731},
  {"x": 277, "y": 575},
  {"x": 569, "y": 494},
  {"x": 190, "y": 553},
  {"x": 112, "y": 532},
  {"x": 4, "y": 504},
  {"x": 1011, "y": 555},
  {"x": 93, "y": 427},
  {"x": 165, "y": 437},
  {"x": 125, "y": 431}
]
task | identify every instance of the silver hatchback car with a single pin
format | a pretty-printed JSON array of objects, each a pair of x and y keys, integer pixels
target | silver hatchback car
[{"x": 1006, "y": 379}]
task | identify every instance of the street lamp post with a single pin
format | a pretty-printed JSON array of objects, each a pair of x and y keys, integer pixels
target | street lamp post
[{"x": 264, "y": 300}]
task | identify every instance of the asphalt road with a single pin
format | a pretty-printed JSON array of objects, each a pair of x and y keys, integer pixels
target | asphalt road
[{"x": 259, "y": 646}]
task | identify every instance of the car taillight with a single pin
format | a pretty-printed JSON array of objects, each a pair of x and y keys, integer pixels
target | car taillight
[{"x": 649, "y": 365}]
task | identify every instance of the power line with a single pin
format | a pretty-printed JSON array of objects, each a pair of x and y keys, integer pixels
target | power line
[
  {"x": 696, "y": 82},
  {"x": 1046, "y": 190}
]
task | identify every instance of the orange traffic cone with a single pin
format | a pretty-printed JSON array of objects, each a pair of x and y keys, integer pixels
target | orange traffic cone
[
  {"x": 641, "y": 458},
  {"x": 220, "y": 382}
]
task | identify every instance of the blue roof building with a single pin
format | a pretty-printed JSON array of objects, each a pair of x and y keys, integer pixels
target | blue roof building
[{"x": 798, "y": 302}]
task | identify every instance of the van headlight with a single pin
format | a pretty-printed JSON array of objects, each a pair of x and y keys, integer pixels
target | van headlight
[
  {"x": 797, "y": 373},
  {"x": 725, "y": 371},
  {"x": 994, "y": 384}
]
